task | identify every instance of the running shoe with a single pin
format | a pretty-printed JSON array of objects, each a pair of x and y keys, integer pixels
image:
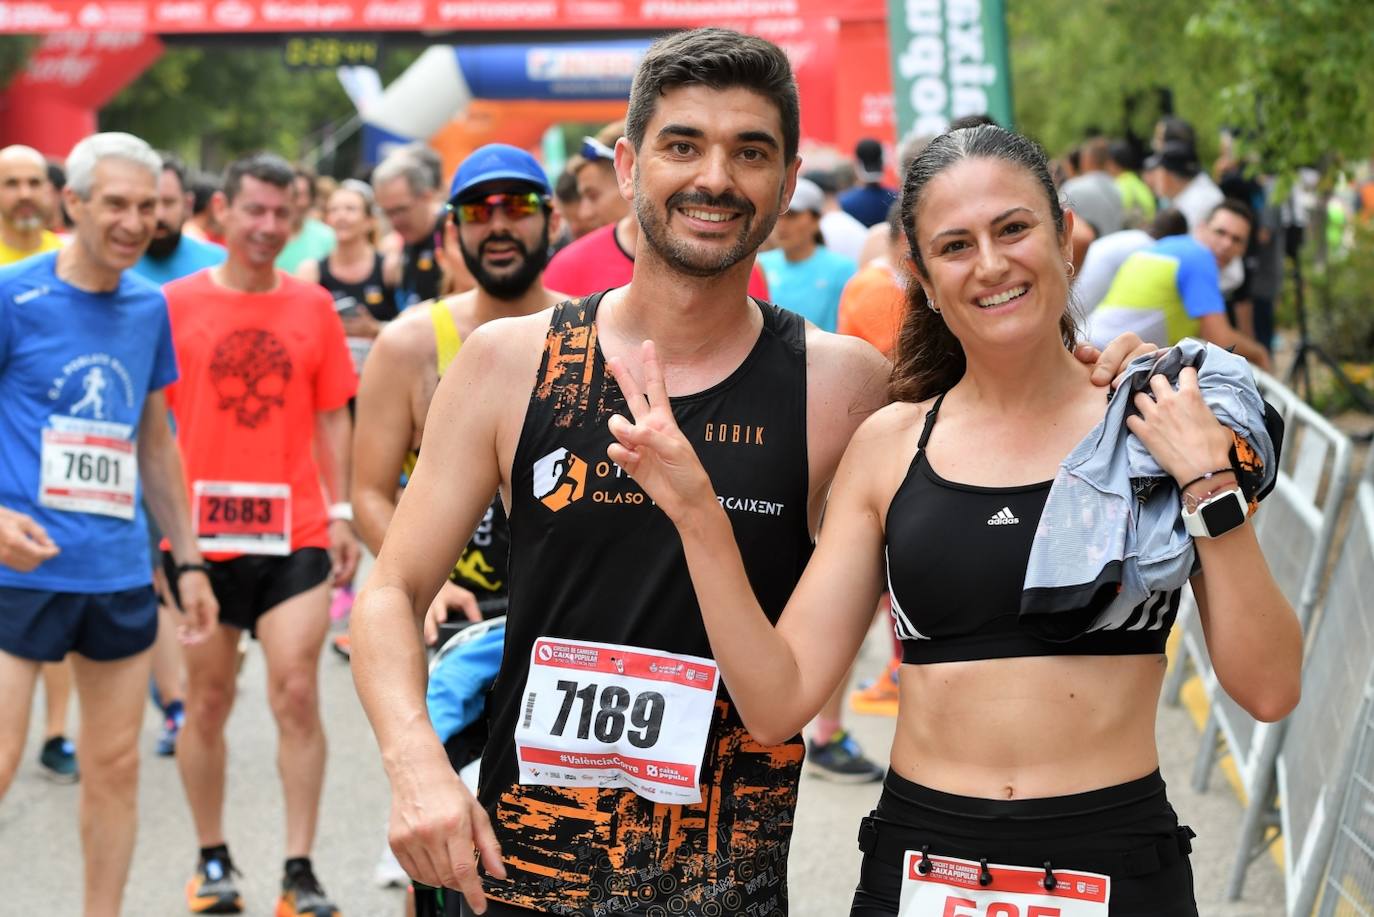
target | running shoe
[
  {"x": 341, "y": 604},
  {"x": 302, "y": 896},
  {"x": 878, "y": 697},
  {"x": 212, "y": 890},
  {"x": 172, "y": 718},
  {"x": 389, "y": 872},
  {"x": 341, "y": 645},
  {"x": 841, "y": 760},
  {"x": 58, "y": 760}
]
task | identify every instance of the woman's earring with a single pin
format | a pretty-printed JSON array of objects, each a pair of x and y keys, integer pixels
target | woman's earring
[
  {"x": 1069, "y": 266},
  {"x": 934, "y": 308}
]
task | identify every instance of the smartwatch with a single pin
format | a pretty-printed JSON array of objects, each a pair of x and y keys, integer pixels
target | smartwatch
[{"x": 1217, "y": 515}]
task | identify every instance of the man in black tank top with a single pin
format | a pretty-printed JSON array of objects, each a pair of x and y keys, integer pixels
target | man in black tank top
[{"x": 618, "y": 778}]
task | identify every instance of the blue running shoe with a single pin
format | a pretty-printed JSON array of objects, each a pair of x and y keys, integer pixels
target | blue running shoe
[
  {"x": 172, "y": 718},
  {"x": 840, "y": 760},
  {"x": 58, "y": 760}
]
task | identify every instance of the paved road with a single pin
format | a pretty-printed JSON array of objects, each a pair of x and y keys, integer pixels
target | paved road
[{"x": 39, "y": 855}]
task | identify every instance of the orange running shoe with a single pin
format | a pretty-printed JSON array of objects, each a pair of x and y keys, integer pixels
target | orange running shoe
[{"x": 879, "y": 697}]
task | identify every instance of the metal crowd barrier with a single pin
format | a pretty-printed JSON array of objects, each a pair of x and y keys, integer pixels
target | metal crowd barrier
[
  {"x": 1332, "y": 728},
  {"x": 1295, "y": 526},
  {"x": 1192, "y": 655}
]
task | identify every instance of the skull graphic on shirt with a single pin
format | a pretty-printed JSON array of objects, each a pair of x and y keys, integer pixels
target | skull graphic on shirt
[{"x": 250, "y": 370}]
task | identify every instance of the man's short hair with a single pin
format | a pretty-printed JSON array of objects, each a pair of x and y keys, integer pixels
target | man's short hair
[
  {"x": 1095, "y": 149},
  {"x": 1168, "y": 222},
  {"x": 171, "y": 162},
  {"x": 265, "y": 167},
  {"x": 565, "y": 189},
  {"x": 1236, "y": 206},
  {"x": 87, "y": 154},
  {"x": 203, "y": 188},
  {"x": 1177, "y": 130},
  {"x": 1124, "y": 154},
  {"x": 823, "y": 179},
  {"x": 719, "y": 59},
  {"x": 420, "y": 174}
]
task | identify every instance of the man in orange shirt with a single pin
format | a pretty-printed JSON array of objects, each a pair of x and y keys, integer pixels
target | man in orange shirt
[{"x": 266, "y": 379}]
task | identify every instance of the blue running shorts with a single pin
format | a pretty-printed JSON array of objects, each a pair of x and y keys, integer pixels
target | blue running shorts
[{"x": 45, "y": 626}]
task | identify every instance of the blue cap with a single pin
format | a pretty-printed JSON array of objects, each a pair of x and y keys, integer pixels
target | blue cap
[{"x": 498, "y": 162}]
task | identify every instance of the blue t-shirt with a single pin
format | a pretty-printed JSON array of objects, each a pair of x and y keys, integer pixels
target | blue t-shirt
[
  {"x": 75, "y": 368},
  {"x": 811, "y": 287},
  {"x": 190, "y": 255},
  {"x": 1160, "y": 293},
  {"x": 868, "y": 203}
]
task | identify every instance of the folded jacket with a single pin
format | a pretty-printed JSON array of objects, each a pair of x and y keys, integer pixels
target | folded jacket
[{"x": 1112, "y": 533}]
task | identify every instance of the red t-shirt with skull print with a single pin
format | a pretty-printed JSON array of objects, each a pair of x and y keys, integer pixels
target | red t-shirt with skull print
[{"x": 255, "y": 370}]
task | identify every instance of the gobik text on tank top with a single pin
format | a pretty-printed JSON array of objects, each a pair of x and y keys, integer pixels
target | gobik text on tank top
[{"x": 618, "y": 775}]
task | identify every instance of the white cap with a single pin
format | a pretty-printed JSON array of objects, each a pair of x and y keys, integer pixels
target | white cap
[{"x": 807, "y": 196}]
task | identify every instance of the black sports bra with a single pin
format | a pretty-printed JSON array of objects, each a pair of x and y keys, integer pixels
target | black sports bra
[{"x": 956, "y": 566}]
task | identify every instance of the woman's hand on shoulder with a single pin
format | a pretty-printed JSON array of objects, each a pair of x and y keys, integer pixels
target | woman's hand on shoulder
[{"x": 1179, "y": 429}]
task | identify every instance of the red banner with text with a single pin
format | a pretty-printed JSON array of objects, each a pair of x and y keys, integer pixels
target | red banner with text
[{"x": 212, "y": 16}]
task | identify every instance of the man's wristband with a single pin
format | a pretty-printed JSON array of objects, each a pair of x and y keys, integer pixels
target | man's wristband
[
  {"x": 183, "y": 569},
  {"x": 341, "y": 512}
]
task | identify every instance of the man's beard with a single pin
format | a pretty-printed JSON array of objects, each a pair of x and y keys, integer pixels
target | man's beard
[
  {"x": 30, "y": 223},
  {"x": 160, "y": 247},
  {"x": 511, "y": 286},
  {"x": 681, "y": 254}
]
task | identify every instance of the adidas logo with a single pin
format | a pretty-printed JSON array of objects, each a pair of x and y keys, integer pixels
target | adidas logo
[{"x": 1004, "y": 516}]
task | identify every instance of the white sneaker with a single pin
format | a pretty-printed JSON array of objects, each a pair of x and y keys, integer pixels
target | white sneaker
[{"x": 389, "y": 873}]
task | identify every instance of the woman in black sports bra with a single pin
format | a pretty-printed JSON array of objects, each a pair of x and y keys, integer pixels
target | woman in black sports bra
[
  {"x": 352, "y": 273},
  {"x": 1024, "y": 771}
]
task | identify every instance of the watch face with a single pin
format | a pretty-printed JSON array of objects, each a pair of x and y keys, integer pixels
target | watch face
[{"x": 1223, "y": 515}]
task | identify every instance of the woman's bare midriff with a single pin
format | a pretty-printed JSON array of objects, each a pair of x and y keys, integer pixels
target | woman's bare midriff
[{"x": 1028, "y": 727}]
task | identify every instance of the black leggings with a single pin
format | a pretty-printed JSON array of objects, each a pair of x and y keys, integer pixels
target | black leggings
[{"x": 1128, "y": 832}]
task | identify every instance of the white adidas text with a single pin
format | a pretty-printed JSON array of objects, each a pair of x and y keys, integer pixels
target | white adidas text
[{"x": 1004, "y": 516}]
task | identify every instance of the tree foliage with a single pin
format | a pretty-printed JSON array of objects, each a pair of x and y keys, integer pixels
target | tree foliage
[
  {"x": 1292, "y": 76},
  {"x": 1303, "y": 90},
  {"x": 211, "y": 104},
  {"x": 14, "y": 50}
]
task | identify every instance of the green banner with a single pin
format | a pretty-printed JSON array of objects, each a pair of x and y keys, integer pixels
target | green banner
[{"x": 949, "y": 59}]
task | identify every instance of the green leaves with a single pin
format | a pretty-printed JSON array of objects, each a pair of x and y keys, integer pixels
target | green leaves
[
  {"x": 1293, "y": 77},
  {"x": 213, "y": 104}
]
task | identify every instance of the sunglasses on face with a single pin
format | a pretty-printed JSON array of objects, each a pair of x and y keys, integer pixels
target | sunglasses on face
[
  {"x": 593, "y": 149},
  {"x": 481, "y": 209}
]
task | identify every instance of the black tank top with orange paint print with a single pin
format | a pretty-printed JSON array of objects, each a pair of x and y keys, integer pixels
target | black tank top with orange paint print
[{"x": 592, "y": 559}]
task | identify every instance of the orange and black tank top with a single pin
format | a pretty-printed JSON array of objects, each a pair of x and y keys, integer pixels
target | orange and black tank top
[{"x": 592, "y": 559}]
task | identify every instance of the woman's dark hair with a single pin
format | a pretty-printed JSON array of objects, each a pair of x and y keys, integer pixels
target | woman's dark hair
[
  {"x": 929, "y": 358},
  {"x": 720, "y": 59}
]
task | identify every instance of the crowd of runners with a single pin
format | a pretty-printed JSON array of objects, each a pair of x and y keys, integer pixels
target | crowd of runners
[{"x": 214, "y": 394}]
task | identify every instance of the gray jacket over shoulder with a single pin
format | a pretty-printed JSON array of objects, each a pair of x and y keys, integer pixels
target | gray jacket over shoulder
[{"x": 1111, "y": 533}]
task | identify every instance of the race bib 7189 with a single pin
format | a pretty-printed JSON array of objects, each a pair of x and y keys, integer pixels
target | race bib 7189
[{"x": 604, "y": 715}]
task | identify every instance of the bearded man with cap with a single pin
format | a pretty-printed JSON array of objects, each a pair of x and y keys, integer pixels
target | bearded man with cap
[{"x": 803, "y": 275}]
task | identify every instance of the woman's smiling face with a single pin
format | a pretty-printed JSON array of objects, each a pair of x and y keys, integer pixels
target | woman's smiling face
[{"x": 994, "y": 263}]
